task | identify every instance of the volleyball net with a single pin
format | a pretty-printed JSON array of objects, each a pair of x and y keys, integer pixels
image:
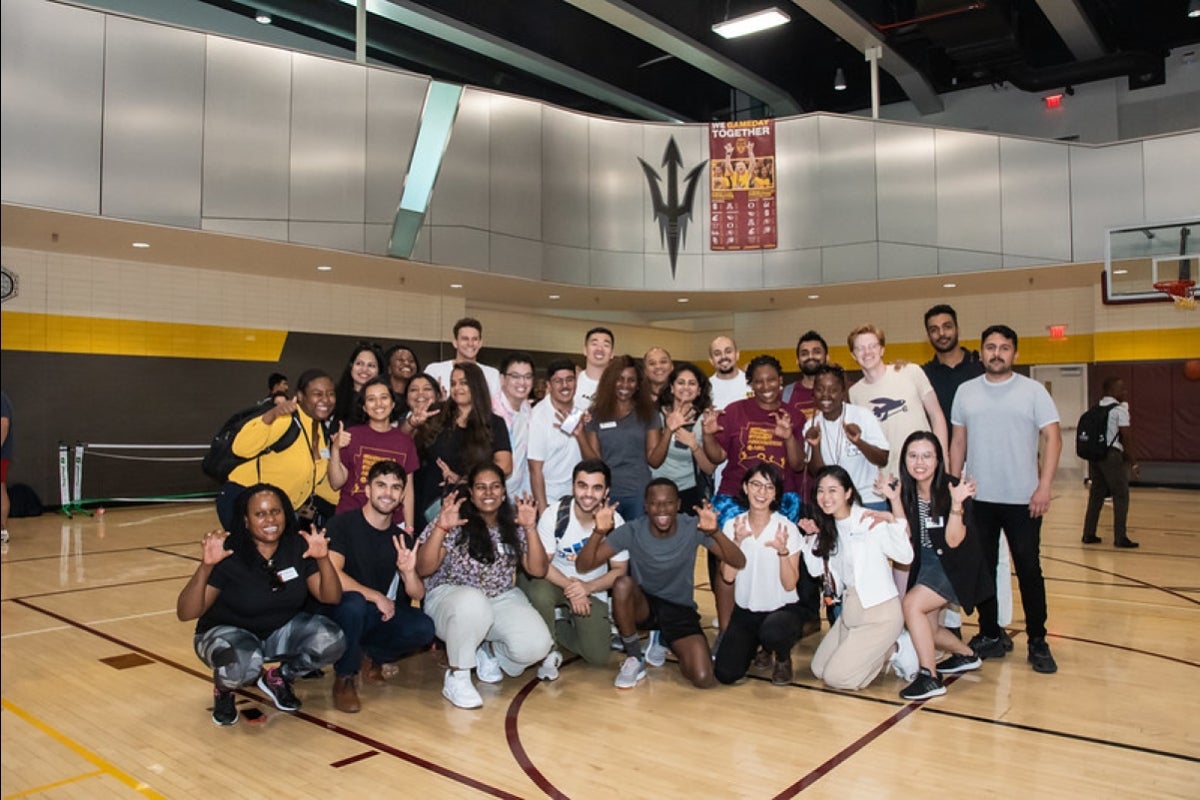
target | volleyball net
[{"x": 129, "y": 473}]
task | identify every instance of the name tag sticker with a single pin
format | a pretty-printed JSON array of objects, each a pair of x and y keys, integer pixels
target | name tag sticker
[
  {"x": 937, "y": 522},
  {"x": 289, "y": 574},
  {"x": 604, "y": 426}
]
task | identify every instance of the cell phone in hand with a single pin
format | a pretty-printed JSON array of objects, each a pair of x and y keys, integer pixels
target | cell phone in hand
[{"x": 571, "y": 422}]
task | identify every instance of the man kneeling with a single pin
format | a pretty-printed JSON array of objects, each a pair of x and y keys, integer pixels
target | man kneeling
[
  {"x": 659, "y": 593},
  {"x": 378, "y": 569},
  {"x": 574, "y": 604}
]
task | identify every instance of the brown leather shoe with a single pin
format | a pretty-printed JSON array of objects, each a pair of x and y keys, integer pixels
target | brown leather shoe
[
  {"x": 345, "y": 696},
  {"x": 371, "y": 672},
  {"x": 782, "y": 674}
]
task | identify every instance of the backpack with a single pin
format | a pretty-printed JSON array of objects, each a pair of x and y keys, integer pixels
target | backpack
[
  {"x": 220, "y": 459},
  {"x": 23, "y": 501},
  {"x": 1091, "y": 434}
]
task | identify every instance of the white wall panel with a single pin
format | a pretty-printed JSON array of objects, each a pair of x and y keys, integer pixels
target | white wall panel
[
  {"x": 247, "y": 130},
  {"x": 462, "y": 247},
  {"x": 460, "y": 195},
  {"x": 617, "y": 270},
  {"x": 328, "y": 140},
  {"x": 783, "y": 268},
  {"x": 512, "y": 255},
  {"x": 563, "y": 264},
  {"x": 275, "y": 229},
  {"x": 906, "y": 260},
  {"x": 347, "y": 236},
  {"x": 616, "y": 188},
  {"x": 734, "y": 270},
  {"x": 394, "y": 104},
  {"x": 1172, "y": 182},
  {"x": 850, "y": 262},
  {"x": 798, "y": 182},
  {"x": 565, "y": 138},
  {"x": 951, "y": 261},
  {"x": 516, "y": 167},
  {"x": 1106, "y": 191},
  {"x": 847, "y": 174},
  {"x": 153, "y": 121},
  {"x": 906, "y": 180},
  {"x": 1035, "y": 199},
  {"x": 690, "y": 272},
  {"x": 968, "y": 186}
]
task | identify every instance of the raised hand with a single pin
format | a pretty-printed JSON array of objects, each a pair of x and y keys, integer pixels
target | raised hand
[
  {"x": 706, "y": 517},
  {"x": 741, "y": 528},
  {"x": 728, "y": 149},
  {"x": 678, "y": 420},
  {"x": 887, "y": 486},
  {"x": 213, "y": 550},
  {"x": 712, "y": 422},
  {"x": 687, "y": 436},
  {"x": 284, "y": 407},
  {"x": 878, "y": 518},
  {"x": 406, "y": 557},
  {"x": 808, "y": 526},
  {"x": 318, "y": 543},
  {"x": 813, "y": 436},
  {"x": 853, "y": 432},
  {"x": 449, "y": 476},
  {"x": 605, "y": 519},
  {"x": 783, "y": 424},
  {"x": 341, "y": 438},
  {"x": 450, "y": 516},
  {"x": 527, "y": 511},
  {"x": 962, "y": 490},
  {"x": 779, "y": 544},
  {"x": 421, "y": 414}
]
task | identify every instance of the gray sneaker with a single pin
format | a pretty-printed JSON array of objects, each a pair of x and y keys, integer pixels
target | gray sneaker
[
  {"x": 548, "y": 671},
  {"x": 656, "y": 651},
  {"x": 632, "y": 671}
]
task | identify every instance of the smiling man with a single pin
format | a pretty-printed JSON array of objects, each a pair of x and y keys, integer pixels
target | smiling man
[{"x": 468, "y": 341}]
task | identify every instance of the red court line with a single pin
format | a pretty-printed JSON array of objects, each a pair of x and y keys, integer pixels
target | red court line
[
  {"x": 513, "y": 735},
  {"x": 1139, "y": 581},
  {"x": 345, "y": 762},
  {"x": 415, "y": 760}
]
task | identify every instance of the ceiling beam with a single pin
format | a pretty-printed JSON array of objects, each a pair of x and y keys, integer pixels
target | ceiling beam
[
  {"x": 1073, "y": 27},
  {"x": 638, "y": 23},
  {"x": 861, "y": 35},
  {"x": 447, "y": 29}
]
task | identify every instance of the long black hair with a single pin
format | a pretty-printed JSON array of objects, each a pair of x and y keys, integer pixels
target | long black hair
[
  {"x": 346, "y": 407},
  {"x": 240, "y": 541},
  {"x": 828, "y": 534},
  {"x": 939, "y": 488},
  {"x": 474, "y": 533}
]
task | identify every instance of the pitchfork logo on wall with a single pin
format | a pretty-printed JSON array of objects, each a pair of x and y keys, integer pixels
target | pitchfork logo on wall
[{"x": 672, "y": 214}]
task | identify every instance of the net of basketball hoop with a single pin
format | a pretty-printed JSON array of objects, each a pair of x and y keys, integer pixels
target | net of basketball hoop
[{"x": 1180, "y": 291}]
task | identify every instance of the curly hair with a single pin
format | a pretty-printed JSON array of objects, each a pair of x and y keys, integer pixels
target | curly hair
[{"x": 604, "y": 404}]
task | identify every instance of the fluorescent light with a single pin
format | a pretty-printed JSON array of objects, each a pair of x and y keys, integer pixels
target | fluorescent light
[
  {"x": 949, "y": 285},
  {"x": 1194, "y": 9},
  {"x": 456, "y": 286},
  {"x": 324, "y": 268},
  {"x": 555, "y": 296},
  {"x": 141, "y": 245},
  {"x": 262, "y": 18},
  {"x": 814, "y": 296},
  {"x": 839, "y": 80},
  {"x": 1120, "y": 272},
  {"x": 751, "y": 23},
  {"x": 681, "y": 300}
]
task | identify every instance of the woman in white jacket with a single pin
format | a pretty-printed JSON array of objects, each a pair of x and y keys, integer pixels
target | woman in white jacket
[{"x": 852, "y": 546}]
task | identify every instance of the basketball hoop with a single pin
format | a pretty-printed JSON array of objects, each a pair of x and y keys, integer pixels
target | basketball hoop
[{"x": 1180, "y": 291}]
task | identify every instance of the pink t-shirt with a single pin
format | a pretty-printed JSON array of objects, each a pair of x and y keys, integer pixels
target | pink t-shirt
[
  {"x": 748, "y": 437},
  {"x": 368, "y": 446}
]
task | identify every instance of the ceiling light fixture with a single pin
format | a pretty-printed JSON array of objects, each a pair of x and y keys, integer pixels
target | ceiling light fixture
[
  {"x": 141, "y": 245},
  {"x": 324, "y": 268},
  {"x": 262, "y": 18},
  {"x": 949, "y": 285},
  {"x": 681, "y": 300},
  {"x": 839, "y": 80},
  {"x": 1120, "y": 272},
  {"x": 814, "y": 296},
  {"x": 751, "y": 23},
  {"x": 456, "y": 286},
  {"x": 1194, "y": 9},
  {"x": 555, "y": 296}
]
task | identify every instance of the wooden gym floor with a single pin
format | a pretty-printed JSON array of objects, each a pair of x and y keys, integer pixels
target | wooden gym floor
[{"x": 103, "y": 696}]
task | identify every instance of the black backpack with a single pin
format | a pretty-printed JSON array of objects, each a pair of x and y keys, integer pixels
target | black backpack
[
  {"x": 221, "y": 460},
  {"x": 1091, "y": 435}
]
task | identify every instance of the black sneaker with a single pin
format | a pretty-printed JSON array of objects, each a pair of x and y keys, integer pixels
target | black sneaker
[
  {"x": 1126, "y": 543},
  {"x": 1040, "y": 658},
  {"x": 957, "y": 663},
  {"x": 224, "y": 711},
  {"x": 924, "y": 687},
  {"x": 279, "y": 690},
  {"x": 989, "y": 646}
]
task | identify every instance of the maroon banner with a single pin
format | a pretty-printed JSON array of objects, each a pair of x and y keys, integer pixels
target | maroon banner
[{"x": 742, "y": 214}]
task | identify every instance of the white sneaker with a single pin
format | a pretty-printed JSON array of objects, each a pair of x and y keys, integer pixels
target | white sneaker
[
  {"x": 487, "y": 668},
  {"x": 548, "y": 671},
  {"x": 4, "y": 536},
  {"x": 904, "y": 661},
  {"x": 632, "y": 671},
  {"x": 656, "y": 651},
  {"x": 458, "y": 689}
]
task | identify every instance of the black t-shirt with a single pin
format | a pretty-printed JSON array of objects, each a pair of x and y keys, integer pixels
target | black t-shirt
[
  {"x": 946, "y": 380},
  {"x": 369, "y": 552},
  {"x": 247, "y": 599},
  {"x": 450, "y": 447}
]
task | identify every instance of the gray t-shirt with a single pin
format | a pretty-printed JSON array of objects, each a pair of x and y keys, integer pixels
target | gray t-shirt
[
  {"x": 623, "y": 448},
  {"x": 1003, "y": 421},
  {"x": 663, "y": 567}
]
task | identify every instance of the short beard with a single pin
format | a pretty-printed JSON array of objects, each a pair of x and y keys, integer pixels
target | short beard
[{"x": 952, "y": 347}]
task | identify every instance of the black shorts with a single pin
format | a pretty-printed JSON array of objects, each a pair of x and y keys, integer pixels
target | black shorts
[{"x": 672, "y": 620}]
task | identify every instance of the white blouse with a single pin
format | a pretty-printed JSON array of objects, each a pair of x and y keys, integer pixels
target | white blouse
[
  {"x": 758, "y": 586},
  {"x": 860, "y": 559}
]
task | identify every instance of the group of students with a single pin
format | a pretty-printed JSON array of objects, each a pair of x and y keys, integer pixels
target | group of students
[{"x": 573, "y": 524}]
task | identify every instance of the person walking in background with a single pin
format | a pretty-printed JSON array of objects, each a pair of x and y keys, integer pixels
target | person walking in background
[{"x": 1109, "y": 473}]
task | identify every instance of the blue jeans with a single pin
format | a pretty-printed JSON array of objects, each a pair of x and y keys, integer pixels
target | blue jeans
[{"x": 409, "y": 630}]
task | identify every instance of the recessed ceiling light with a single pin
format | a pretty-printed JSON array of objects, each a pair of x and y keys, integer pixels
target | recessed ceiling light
[
  {"x": 949, "y": 285},
  {"x": 324, "y": 268},
  {"x": 456, "y": 286},
  {"x": 1120, "y": 272},
  {"x": 141, "y": 245},
  {"x": 262, "y": 18},
  {"x": 681, "y": 300},
  {"x": 813, "y": 296},
  {"x": 751, "y": 23},
  {"x": 555, "y": 296}
]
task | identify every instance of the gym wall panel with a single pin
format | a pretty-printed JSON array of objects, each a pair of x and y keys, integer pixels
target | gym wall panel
[
  {"x": 51, "y": 91},
  {"x": 515, "y": 171},
  {"x": 262, "y": 229},
  {"x": 328, "y": 142},
  {"x": 153, "y": 119},
  {"x": 566, "y": 264},
  {"x": 616, "y": 269},
  {"x": 733, "y": 271},
  {"x": 792, "y": 267},
  {"x": 1172, "y": 178},
  {"x": 517, "y": 256},
  {"x": 690, "y": 273},
  {"x": 616, "y": 195},
  {"x": 846, "y": 213},
  {"x": 906, "y": 260},
  {"x": 968, "y": 192},
  {"x": 1106, "y": 191},
  {"x": 564, "y": 171},
  {"x": 906, "y": 187},
  {"x": 461, "y": 193},
  {"x": 247, "y": 121},
  {"x": 850, "y": 262},
  {"x": 461, "y": 246},
  {"x": 798, "y": 183},
  {"x": 345, "y": 236},
  {"x": 1035, "y": 200},
  {"x": 394, "y": 104}
]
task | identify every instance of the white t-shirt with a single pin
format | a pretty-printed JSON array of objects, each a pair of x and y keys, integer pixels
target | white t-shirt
[
  {"x": 440, "y": 372},
  {"x": 1117, "y": 418},
  {"x": 585, "y": 390},
  {"x": 896, "y": 400},
  {"x": 758, "y": 586},
  {"x": 726, "y": 391},
  {"x": 564, "y": 552},
  {"x": 836, "y": 447},
  {"x": 558, "y": 452}
]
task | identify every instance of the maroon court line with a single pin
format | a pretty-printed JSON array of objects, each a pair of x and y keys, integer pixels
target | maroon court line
[
  {"x": 1162, "y": 589},
  {"x": 345, "y": 762},
  {"x": 513, "y": 735},
  {"x": 415, "y": 760}
]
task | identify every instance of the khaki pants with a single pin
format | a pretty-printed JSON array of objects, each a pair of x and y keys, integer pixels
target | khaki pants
[
  {"x": 464, "y": 618},
  {"x": 856, "y": 647},
  {"x": 588, "y": 635}
]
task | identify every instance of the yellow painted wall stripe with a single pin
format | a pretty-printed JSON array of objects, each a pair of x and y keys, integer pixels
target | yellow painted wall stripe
[
  {"x": 53, "y": 333},
  {"x": 105, "y": 767}
]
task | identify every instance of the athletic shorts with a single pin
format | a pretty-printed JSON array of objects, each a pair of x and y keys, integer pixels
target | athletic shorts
[{"x": 672, "y": 620}]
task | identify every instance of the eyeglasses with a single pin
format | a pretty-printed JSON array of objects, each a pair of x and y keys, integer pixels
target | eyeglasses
[
  {"x": 268, "y": 567},
  {"x": 761, "y": 486},
  {"x": 516, "y": 376}
]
